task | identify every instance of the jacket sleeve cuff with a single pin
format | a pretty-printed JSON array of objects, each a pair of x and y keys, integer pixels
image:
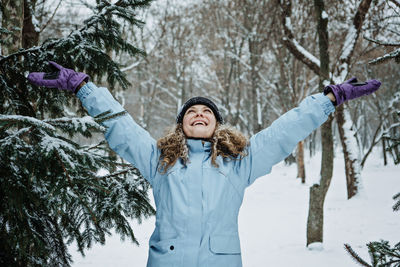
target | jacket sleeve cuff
[
  {"x": 86, "y": 90},
  {"x": 325, "y": 103}
]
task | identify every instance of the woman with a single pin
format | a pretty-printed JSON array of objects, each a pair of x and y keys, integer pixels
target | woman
[{"x": 200, "y": 170}]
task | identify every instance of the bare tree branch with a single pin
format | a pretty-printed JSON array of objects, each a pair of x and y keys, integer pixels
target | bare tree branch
[
  {"x": 381, "y": 42},
  {"x": 392, "y": 55},
  {"x": 51, "y": 18},
  {"x": 290, "y": 42},
  {"x": 351, "y": 38},
  {"x": 395, "y": 2}
]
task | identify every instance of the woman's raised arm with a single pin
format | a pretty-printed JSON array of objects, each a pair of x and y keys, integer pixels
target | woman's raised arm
[
  {"x": 276, "y": 142},
  {"x": 123, "y": 134}
]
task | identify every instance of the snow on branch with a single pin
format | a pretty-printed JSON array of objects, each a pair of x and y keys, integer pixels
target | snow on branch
[
  {"x": 351, "y": 38},
  {"x": 131, "y": 169},
  {"x": 307, "y": 54},
  {"x": 349, "y": 43},
  {"x": 381, "y": 131},
  {"x": 392, "y": 55},
  {"x": 18, "y": 119},
  {"x": 292, "y": 45},
  {"x": 71, "y": 125},
  {"x": 76, "y": 124},
  {"x": 132, "y": 66},
  {"x": 395, "y": 2},
  {"x": 385, "y": 133},
  {"x": 381, "y": 42}
]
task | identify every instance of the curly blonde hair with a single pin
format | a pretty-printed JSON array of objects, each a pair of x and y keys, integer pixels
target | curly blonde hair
[{"x": 226, "y": 142}]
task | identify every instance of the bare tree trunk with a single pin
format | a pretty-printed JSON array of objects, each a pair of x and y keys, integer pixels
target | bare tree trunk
[
  {"x": 301, "y": 170},
  {"x": 30, "y": 37},
  {"x": 351, "y": 160},
  {"x": 254, "y": 50},
  {"x": 255, "y": 25},
  {"x": 384, "y": 152},
  {"x": 315, "y": 221},
  {"x": 321, "y": 67},
  {"x": 347, "y": 138},
  {"x": 12, "y": 20}
]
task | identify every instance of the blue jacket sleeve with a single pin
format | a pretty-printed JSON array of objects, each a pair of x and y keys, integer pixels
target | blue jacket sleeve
[
  {"x": 123, "y": 134},
  {"x": 276, "y": 142}
]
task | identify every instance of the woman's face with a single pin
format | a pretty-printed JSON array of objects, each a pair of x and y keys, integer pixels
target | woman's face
[{"x": 199, "y": 121}]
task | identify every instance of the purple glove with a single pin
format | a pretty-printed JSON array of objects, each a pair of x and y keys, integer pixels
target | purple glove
[
  {"x": 351, "y": 89},
  {"x": 63, "y": 78}
]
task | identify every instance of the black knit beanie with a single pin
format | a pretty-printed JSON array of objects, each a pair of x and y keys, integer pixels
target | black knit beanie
[{"x": 198, "y": 100}]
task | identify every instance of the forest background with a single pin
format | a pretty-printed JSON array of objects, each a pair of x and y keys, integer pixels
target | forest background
[{"x": 255, "y": 59}]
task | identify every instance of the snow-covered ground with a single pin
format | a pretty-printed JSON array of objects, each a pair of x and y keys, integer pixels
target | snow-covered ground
[{"x": 272, "y": 221}]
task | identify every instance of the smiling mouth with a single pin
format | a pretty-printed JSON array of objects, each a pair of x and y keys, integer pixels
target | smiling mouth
[{"x": 199, "y": 123}]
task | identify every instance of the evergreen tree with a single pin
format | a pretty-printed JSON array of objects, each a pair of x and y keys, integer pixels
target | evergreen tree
[
  {"x": 51, "y": 193},
  {"x": 382, "y": 255}
]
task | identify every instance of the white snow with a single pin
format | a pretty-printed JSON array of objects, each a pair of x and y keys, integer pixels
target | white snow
[
  {"x": 288, "y": 23},
  {"x": 352, "y": 148},
  {"x": 324, "y": 15},
  {"x": 259, "y": 113},
  {"x": 272, "y": 221},
  {"x": 27, "y": 120},
  {"x": 317, "y": 246},
  {"x": 306, "y": 53},
  {"x": 35, "y": 23},
  {"x": 349, "y": 42}
]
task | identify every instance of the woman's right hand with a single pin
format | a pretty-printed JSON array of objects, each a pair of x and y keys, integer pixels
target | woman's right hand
[{"x": 62, "y": 78}]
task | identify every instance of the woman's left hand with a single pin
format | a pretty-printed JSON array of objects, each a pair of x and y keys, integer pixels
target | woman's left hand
[{"x": 351, "y": 89}]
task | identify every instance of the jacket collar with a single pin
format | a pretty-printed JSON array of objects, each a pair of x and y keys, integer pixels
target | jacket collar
[{"x": 198, "y": 145}]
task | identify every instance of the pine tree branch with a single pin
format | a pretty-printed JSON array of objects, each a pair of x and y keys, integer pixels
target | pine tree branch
[
  {"x": 118, "y": 173},
  {"x": 396, "y": 206},
  {"x": 97, "y": 145},
  {"x": 76, "y": 193},
  {"x": 53, "y": 175},
  {"x": 19, "y": 119},
  {"x": 22, "y": 52},
  {"x": 355, "y": 256}
]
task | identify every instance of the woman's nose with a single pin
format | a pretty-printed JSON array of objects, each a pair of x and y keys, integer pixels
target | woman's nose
[{"x": 199, "y": 113}]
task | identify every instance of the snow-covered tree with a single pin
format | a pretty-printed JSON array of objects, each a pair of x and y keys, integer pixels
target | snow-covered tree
[
  {"x": 330, "y": 70},
  {"x": 386, "y": 133},
  {"x": 387, "y": 36},
  {"x": 51, "y": 190}
]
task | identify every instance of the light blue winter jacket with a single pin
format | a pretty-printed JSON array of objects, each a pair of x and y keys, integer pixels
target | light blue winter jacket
[{"x": 198, "y": 205}]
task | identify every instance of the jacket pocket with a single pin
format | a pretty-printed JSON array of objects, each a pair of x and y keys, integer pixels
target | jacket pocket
[
  {"x": 225, "y": 244},
  {"x": 165, "y": 253},
  {"x": 166, "y": 246}
]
